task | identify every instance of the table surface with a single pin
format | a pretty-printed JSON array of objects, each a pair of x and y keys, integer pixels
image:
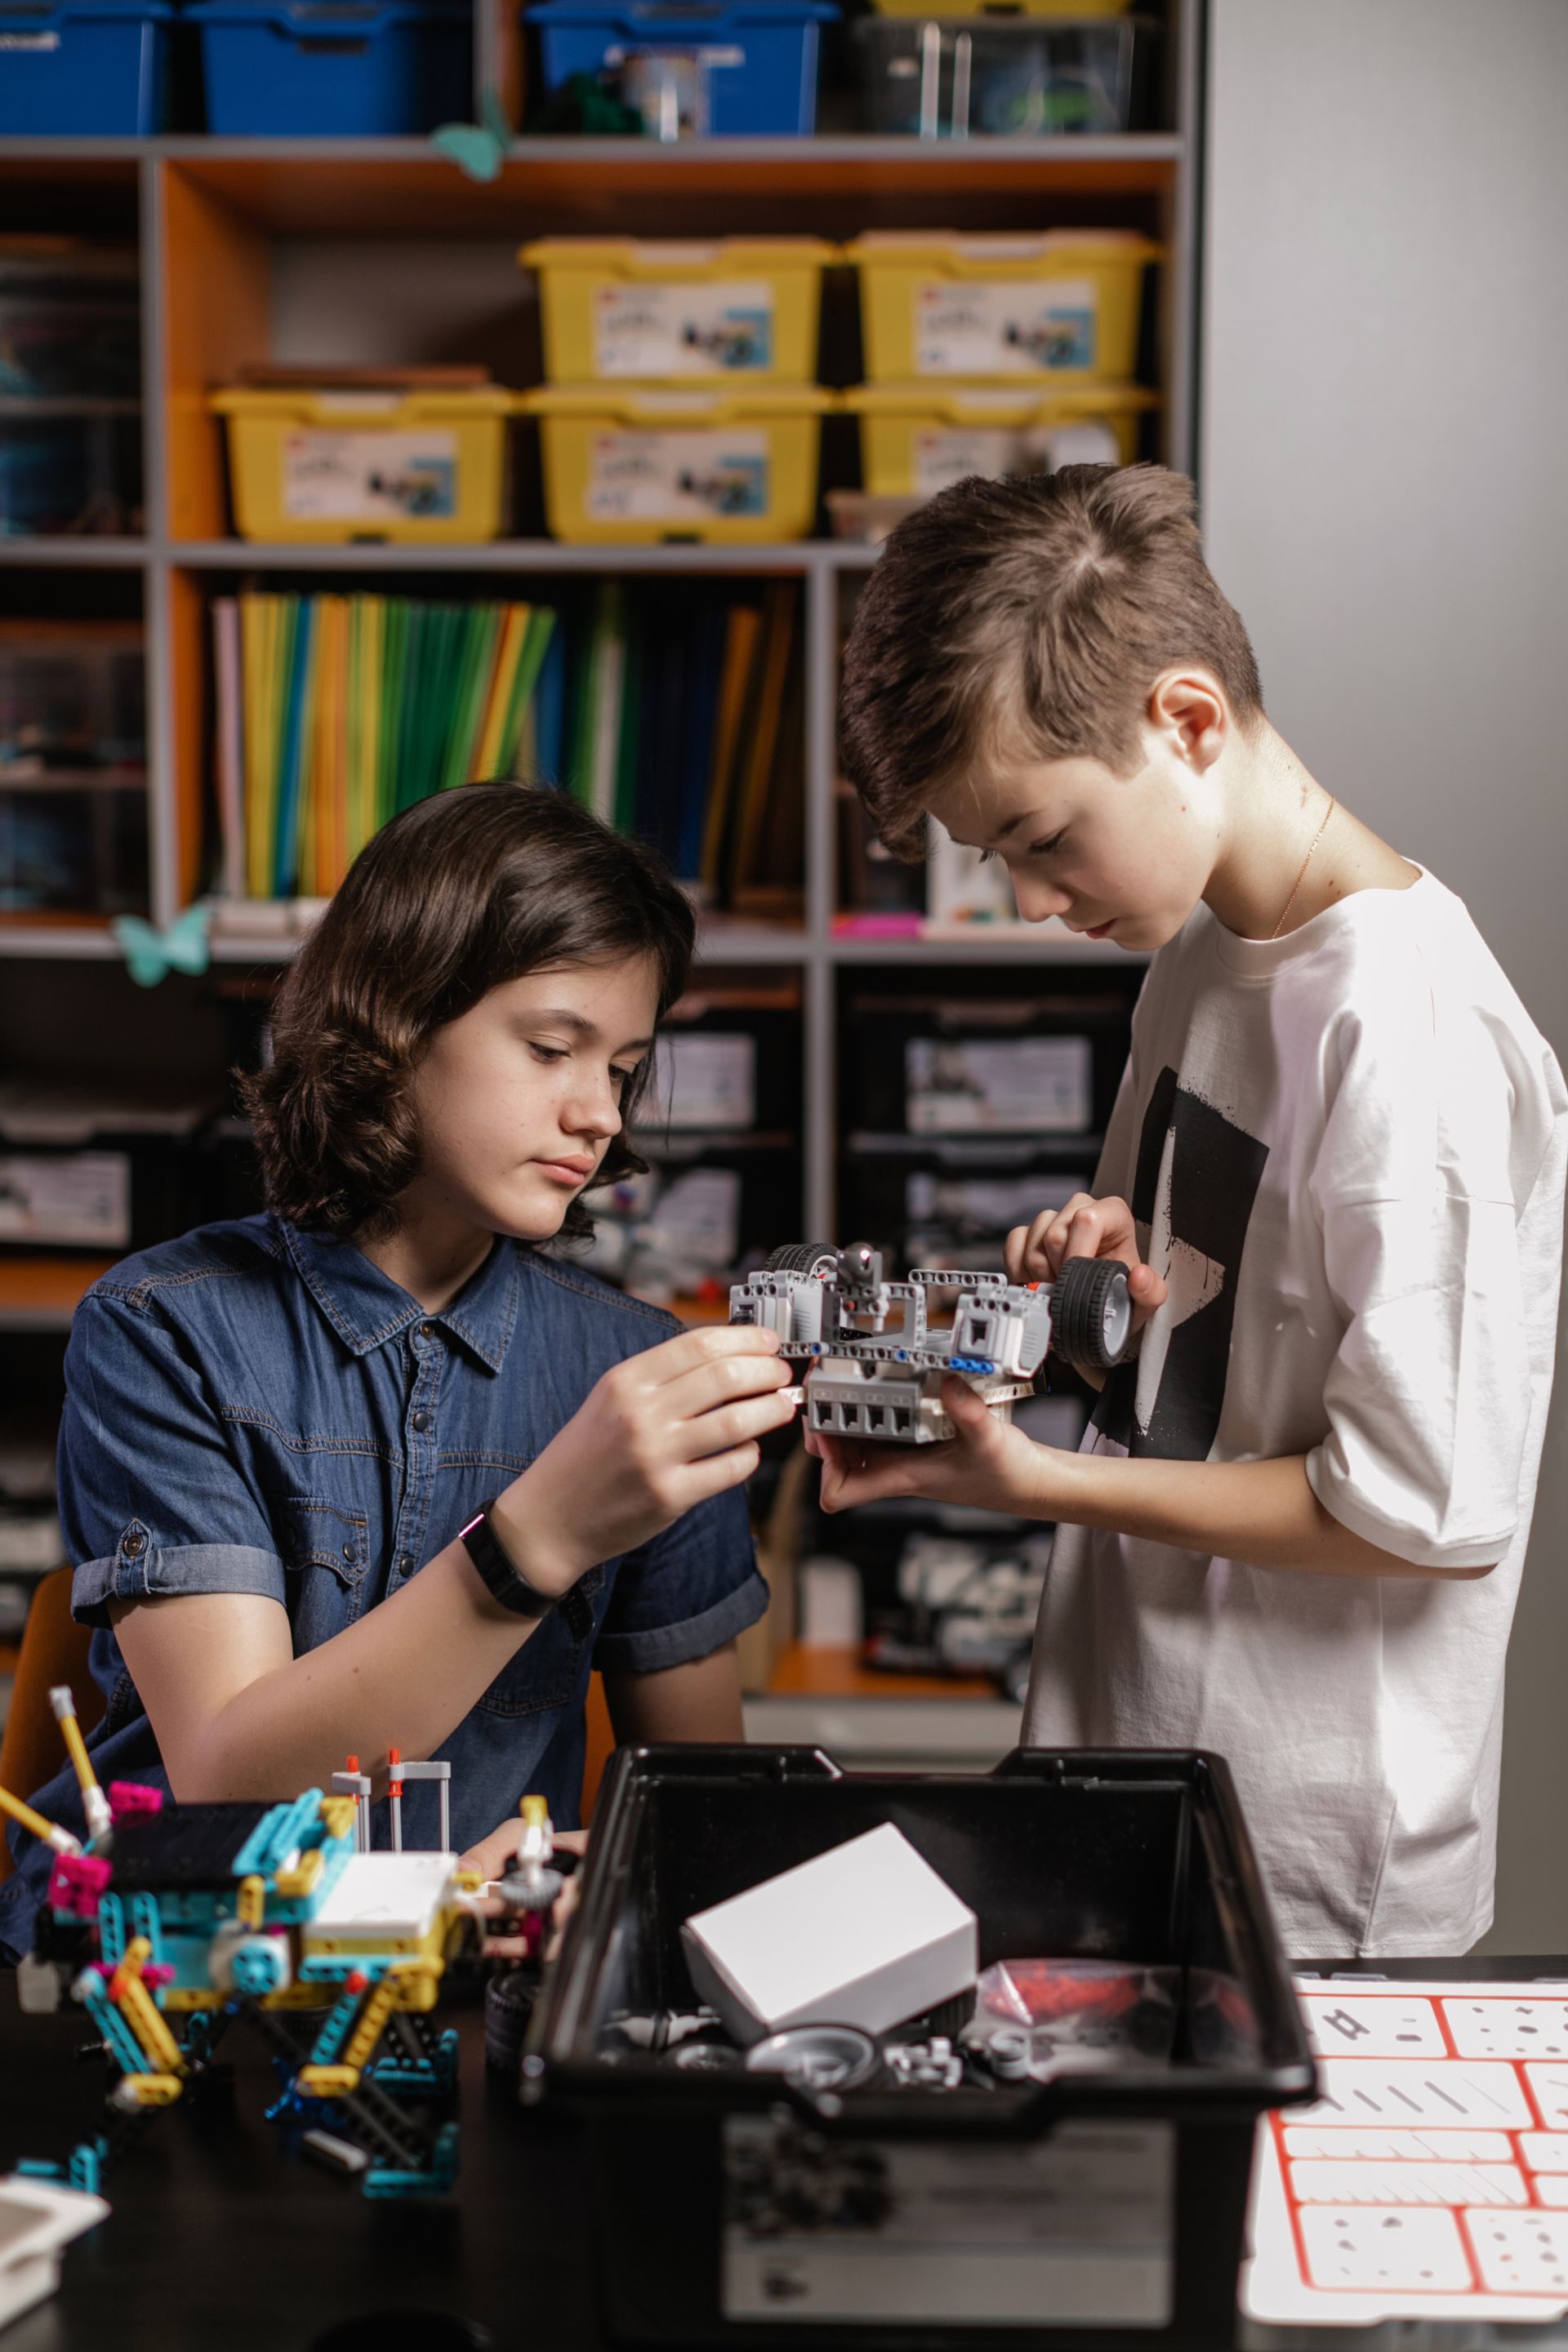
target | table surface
[{"x": 220, "y": 2237}]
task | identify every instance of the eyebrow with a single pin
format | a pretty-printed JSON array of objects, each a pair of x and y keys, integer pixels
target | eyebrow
[{"x": 583, "y": 1028}]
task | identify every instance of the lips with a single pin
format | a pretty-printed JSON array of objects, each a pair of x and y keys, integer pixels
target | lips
[{"x": 572, "y": 1170}]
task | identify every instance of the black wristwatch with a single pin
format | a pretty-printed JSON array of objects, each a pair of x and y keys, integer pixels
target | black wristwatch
[{"x": 494, "y": 1563}]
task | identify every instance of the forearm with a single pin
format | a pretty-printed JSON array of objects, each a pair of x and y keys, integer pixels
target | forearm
[
  {"x": 700, "y": 1701},
  {"x": 405, "y": 1676},
  {"x": 1261, "y": 1512}
]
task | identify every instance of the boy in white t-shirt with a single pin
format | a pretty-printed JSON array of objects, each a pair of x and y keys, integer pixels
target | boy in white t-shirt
[{"x": 1335, "y": 1170}]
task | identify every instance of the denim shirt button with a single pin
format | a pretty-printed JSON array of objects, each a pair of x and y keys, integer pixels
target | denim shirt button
[
  {"x": 405, "y": 1563},
  {"x": 134, "y": 1545},
  {"x": 422, "y": 1421},
  {"x": 427, "y": 1331},
  {"x": 348, "y": 1551}
]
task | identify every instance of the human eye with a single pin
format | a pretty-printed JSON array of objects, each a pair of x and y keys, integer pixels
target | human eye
[
  {"x": 1044, "y": 849},
  {"x": 547, "y": 1054}
]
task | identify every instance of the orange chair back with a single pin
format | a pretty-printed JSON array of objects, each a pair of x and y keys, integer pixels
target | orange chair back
[{"x": 54, "y": 1650}]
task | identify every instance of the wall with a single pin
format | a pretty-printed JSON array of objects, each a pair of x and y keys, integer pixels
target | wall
[{"x": 1385, "y": 494}]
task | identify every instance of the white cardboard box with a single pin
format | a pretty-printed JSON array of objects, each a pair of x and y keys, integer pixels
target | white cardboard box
[{"x": 865, "y": 1935}]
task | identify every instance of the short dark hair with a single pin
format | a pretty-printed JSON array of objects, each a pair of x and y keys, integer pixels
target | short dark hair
[
  {"x": 458, "y": 893},
  {"x": 1028, "y": 616}
]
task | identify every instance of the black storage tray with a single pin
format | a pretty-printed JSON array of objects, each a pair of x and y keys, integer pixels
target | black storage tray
[{"x": 1134, "y": 1856}]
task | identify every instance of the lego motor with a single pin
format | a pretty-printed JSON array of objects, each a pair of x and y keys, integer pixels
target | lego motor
[{"x": 875, "y": 1364}]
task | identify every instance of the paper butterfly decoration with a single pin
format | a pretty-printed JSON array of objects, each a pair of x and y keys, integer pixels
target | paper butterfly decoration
[
  {"x": 477, "y": 148},
  {"x": 151, "y": 954}
]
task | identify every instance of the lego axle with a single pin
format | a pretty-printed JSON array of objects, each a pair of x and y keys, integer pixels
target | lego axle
[{"x": 875, "y": 1364}]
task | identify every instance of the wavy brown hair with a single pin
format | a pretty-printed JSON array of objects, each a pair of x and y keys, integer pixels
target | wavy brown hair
[{"x": 458, "y": 894}]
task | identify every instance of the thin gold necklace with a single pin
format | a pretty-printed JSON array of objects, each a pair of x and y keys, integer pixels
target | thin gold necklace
[{"x": 1305, "y": 862}]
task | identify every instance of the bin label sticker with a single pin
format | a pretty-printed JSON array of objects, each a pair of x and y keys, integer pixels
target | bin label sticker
[
  {"x": 35, "y": 43},
  {"x": 726, "y": 329},
  {"x": 80, "y": 1197},
  {"x": 943, "y": 455},
  {"x": 1074, "y": 2230},
  {"x": 1015, "y": 1085},
  {"x": 369, "y": 478},
  {"x": 1013, "y": 326},
  {"x": 678, "y": 477}
]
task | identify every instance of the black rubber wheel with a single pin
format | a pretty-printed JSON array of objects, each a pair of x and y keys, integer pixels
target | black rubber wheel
[
  {"x": 802, "y": 1257},
  {"x": 1091, "y": 1313}
]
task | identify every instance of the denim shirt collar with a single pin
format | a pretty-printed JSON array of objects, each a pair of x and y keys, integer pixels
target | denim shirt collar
[{"x": 365, "y": 1308}]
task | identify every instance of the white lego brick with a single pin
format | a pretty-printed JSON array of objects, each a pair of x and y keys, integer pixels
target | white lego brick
[
  {"x": 865, "y": 1935},
  {"x": 386, "y": 1895},
  {"x": 36, "y": 2218}
]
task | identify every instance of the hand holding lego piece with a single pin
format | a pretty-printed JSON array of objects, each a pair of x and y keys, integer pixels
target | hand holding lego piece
[
  {"x": 986, "y": 1465},
  {"x": 658, "y": 1434},
  {"x": 1085, "y": 1227}
]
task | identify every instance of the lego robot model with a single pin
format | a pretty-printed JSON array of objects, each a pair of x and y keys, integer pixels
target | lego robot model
[
  {"x": 875, "y": 1364},
  {"x": 175, "y": 1920}
]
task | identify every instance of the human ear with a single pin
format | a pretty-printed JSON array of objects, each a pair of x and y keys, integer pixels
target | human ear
[{"x": 1189, "y": 708}]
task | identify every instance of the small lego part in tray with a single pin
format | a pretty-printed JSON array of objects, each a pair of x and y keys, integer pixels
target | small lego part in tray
[{"x": 876, "y": 1363}]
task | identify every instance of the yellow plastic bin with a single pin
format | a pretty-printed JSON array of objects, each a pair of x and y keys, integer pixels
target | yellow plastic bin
[
  {"x": 1064, "y": 305},
  {"x": 623, "y": 311},
  {"x": 916, "y": 438},
  {"x": 406, "y": 466},
  {"x": 627, "y": 466}
]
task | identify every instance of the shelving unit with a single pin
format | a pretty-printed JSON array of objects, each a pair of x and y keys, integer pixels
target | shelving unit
[{"x": 234, "y": 237}]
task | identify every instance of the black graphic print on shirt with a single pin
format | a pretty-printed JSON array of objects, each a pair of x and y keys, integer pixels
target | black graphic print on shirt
[{"x": 1193, "y": 1192}]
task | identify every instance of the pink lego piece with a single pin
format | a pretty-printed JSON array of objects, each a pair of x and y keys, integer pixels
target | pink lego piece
[
  {"x": 129, "y": 1797},
  {"x": 156, "y": 1973},
  {"x": 76, "y": 1883}
]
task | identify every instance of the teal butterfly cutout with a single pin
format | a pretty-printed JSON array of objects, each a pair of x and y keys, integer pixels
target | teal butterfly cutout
[
  {"x": 477, "y": 148},
  {"x": 151, "y": 954}
]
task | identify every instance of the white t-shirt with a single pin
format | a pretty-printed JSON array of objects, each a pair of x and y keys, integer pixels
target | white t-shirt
[{"x": 1345, "y": 1151}]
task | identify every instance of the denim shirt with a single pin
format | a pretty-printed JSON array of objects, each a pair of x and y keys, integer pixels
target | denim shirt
[{"x": 258, "y": 1408}]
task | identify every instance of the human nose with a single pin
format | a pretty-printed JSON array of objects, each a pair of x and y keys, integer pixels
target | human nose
[
  {"x": 1039, "y": 900},
  {"x": 593, "y": 1107}
]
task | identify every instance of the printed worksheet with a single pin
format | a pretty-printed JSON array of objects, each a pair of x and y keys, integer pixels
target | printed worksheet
[{"x": 1429, "y": 2179}]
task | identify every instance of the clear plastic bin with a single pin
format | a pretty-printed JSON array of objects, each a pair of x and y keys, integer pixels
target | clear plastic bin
[
  {"x": 998, "y": 76},
  {"x": 72, "y": 702},
  {"x": 410, "y": 466},
  {"x": 622, "y": 310},
  {"x": 917, "y": 438},
  {"x": 70, "y": 468},
  {"x": 69, "y": 322},
  {"x": 1064, "y": 305},
  {"x": 69, "y": 851},
  {"x": 635, "y": 466}
]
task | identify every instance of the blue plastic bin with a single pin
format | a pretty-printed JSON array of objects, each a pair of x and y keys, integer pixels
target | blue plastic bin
[
  {"x": 82, "y": 67},
  {"x": 334, "y": 68},
  {"x": 760, "y": 56}
]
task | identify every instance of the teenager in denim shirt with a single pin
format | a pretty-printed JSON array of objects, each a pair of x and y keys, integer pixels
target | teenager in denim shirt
[{"x": 276, "y": 1429}]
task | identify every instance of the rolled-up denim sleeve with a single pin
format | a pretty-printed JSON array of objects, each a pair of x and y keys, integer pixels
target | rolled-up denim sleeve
[
  {"x": 153, "y": 1501},
  {"x": 685, "y": 1594}
]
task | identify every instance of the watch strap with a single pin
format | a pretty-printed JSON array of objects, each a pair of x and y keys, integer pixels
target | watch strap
[{"x": 511, "y": 1588}]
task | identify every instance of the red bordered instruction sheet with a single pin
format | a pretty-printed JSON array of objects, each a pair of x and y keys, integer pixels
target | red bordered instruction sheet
[{"x": 1429, "y": 2179}]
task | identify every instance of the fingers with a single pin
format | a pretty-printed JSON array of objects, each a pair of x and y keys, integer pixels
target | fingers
[
  {"x": 715, "y": 1474},
  {"x": 1147, "y": 1290},
  {"x": 675, "y": 1358},
  {"x": 850, "y": 1478},
  {"x": 719, "y": 1379},
  {"x": 731, "y": 1424}
]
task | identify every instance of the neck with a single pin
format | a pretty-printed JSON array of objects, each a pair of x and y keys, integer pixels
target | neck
[
  {"x": 1274, "y": 812},
  {"x": 431, "y": 1254}
]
